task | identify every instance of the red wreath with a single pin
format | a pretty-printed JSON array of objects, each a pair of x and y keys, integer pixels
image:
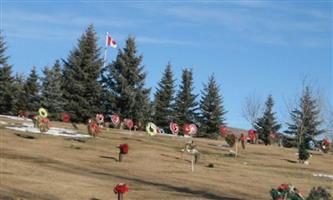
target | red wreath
[
  {"x": 94, "y": 127},
  {"x": 128, "y": 123},
  {"x": 186, "y": 129},
  {"x": 66, "y": 117},
  {"x": 252, "y": 134},
  {"x": 123, "y": 148},
  {"x": 174, "y": 128},
  {"x": 120, "y": 188},
  {"x": 115, "y": 119},
  {"x": 223, "y": 131}
]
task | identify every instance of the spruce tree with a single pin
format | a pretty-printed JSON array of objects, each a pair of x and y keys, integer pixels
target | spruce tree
[
  {"x": 123, "y": 85},
  {"x": 81, "y": 73},
  {"x": 267, "y": 124},
  {"x": 52, "y": 93},
  {"x": 19, "y": 100},
  {"x": 212, "y": 110},
  {"x": 164, "y": 99},
  {"x": 185, "y": 105},
  {"x": 32, "y": 91},
  {"x": 305, "y": 122},
  {"x": 6, "y": 80}
]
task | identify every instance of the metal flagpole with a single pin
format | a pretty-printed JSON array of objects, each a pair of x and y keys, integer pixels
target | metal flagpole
[{"x": 106, "y": 48}]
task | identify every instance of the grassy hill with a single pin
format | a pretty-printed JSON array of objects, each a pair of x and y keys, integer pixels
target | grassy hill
[{"x": 37, "y": 166}]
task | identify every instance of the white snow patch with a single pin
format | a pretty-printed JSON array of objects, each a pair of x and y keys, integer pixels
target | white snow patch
[
  {"x": 324, "y": 176},
  {"x": 4, "y": 123},
  {"x": 15, "y": 118},
  {"x": 53, "y": 131}
]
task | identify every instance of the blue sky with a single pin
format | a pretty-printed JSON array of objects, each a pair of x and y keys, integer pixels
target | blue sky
[{"x": 251, "y": 46}]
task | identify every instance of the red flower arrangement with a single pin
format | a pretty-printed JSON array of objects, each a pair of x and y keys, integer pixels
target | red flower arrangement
[
  {"x": 223, "y": 131},
  {"x": 120, "y": 188},
  {"x": 66, "y": 117},
  {"x": 123, "y": 148},
  {"x": 283, "y": 187}
]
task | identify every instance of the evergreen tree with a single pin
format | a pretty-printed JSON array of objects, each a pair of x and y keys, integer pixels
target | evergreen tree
[
  {"x": 164, "y": 97},
  {"x": 82, "y": 69},
  {"x": 32, "y": 92},
  {"x": 267, "y": 124},
  {"x": 20, "y": 99},
  {"x": 212, "y": 110},
  {"x": 185, "y": 104},
  {"x": 123, "y": 85},
  {"x": 52, "y": 93},
  {"x": 305, "y": 122},
  {"x": 6, "y": 80}
]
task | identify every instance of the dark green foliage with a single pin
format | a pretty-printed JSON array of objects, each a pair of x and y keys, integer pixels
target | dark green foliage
[
  {"x": 20, "y": 99},
  {"x": 164, "y": 97},
  {"x": 212, "y": 110},
  {"x": 123, "y": 85},
  {"x": 267, "y": 124},
  {"x": 186, "y": 105},
  {"x": 82, "y": 90},
  {"x": 31, "y": 89},
  {"x": 305, "y": 118},
  {"x": 230, "y": 139},
  {"x": 52, "y": 93},
  {"x": 303, "y": 154},
  {"x": 6, "y": 80}
]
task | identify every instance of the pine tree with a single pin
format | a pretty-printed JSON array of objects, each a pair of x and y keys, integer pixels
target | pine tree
[
  {"x": 123, "y": 85},
  {"x": 81, "y": 73},
  {"x": 305, "y": 122},
  {"x": 212, "y": 110},
  {"x": 186, "y": 106},
  {"x": 6, "y": 80},
  {"x": 164, "y": 97},
  {"x": 52, "y": 92},
  {"x": 267, "y": 124},
  {"x": 19, "y": 100},
  {"x": 32, "y": 91}
]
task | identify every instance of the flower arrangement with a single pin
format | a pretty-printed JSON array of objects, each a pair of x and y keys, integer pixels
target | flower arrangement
[
  {"x": 325, "y": 145},
  {"x": 231, "y": 139},
  {"x": 66, "y": 117},
  {"x": 123, "y": 149},
  {"x": 120, "y": 189},
  {"x": 289, "y": 192},
  {"x": 286, "y": 191}
]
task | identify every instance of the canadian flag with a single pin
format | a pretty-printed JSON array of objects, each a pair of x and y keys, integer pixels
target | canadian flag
[{"x": 110, "y": 41}]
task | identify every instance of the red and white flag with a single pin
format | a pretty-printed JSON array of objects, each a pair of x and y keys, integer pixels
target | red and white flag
[{"x": 110, "y": 41}]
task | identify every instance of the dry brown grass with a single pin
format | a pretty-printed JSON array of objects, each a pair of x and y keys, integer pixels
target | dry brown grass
[{"x": 49, "y": 167}]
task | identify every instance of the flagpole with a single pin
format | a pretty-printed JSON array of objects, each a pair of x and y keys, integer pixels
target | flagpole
[{"x": 105, "y": 49}]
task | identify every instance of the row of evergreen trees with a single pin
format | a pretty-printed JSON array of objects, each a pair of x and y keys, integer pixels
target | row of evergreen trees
[{"x": 81, "y": 86}]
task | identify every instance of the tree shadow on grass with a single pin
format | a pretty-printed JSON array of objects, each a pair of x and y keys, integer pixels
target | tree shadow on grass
[{"x": 290, "y": 161}]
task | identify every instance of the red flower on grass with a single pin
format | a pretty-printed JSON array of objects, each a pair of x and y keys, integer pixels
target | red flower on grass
[
  {"x": 123, "y": 148},
  {"x": 120, "y": 188},
  {"x": 66, "y": 117}
]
